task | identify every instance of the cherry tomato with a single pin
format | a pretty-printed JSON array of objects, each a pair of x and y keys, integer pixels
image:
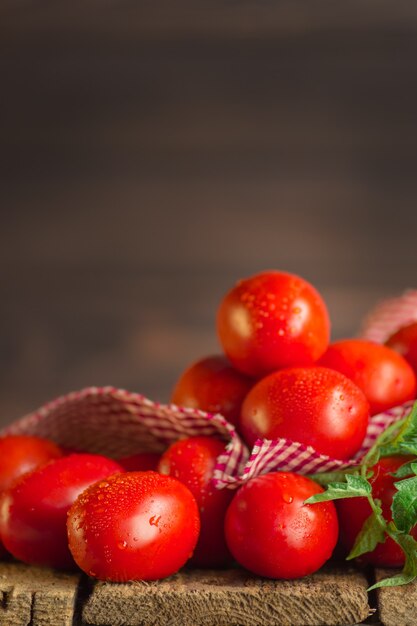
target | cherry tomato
[
  {"x": 133, "y": 526},
  {"x": 354, "y": 511},
  {"x": 272, "y": 320},
  {"x": 404, "y": 341},
  {"x": 33, "y": 511},
  {"x": 312, "y": 405},
  {"x": 192, "y": 461},
  {"x": 272, "y": 533},
  {"x": 140, "y": 462},
  {"x": 20, "y": 454},
  {"x": 384, "y": 376},
  {"x": 213, "y": 385},
  {"x": 3, "y": 552}
]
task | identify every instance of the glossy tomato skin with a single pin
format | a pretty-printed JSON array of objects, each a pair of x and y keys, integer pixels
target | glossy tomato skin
[
  {"x": 192, "y": 461},
  {"x": 271, "y": 532},
  {"x": 213, "y": 385},
  {"x": 315, "y": 406},
  {"x": 140, "y": 462},
  {"x": 272, "y": 320},
  {"x": 33, "y": 511},
  {"x": 384, "y": 376},
  {"x": 404, "y": 341},
  {"x": 353, "y": 512},
  {"x": 133, "y": 526},
  {"x": 20, "y": 454}
]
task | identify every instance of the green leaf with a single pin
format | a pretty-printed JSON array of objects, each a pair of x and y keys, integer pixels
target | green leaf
[
  {"x": 409, "y": 572},
  {"x": 404, "y": 504},
  {"x": 371, "y": 534},
  {"x": 354, "y": 487},
  {"x": 325, "y": 478},
  {"x": 405, "y": 440},
  {"x": 406, "y": 470},
  {"x": 372, "y": 456}
]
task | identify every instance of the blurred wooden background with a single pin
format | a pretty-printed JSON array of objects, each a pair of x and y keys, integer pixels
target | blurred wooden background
[{"x": 154, "y": 152}]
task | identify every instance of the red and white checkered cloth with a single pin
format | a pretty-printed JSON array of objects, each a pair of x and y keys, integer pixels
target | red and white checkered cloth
[
  {"x": 119, "y": 423},
  {"x": 389, "y": 316}
]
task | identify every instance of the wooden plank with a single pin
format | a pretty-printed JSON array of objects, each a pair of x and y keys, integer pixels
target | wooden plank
[
  {"x": 397, "y": 605},
  {"x": 33, "y": 596},
  {"x": 209, "y": 598}
]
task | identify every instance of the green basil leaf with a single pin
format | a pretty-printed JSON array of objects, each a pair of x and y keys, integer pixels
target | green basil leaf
[
  {"x": 354, "y": 487},
  {"x": 404, "y": 504}
]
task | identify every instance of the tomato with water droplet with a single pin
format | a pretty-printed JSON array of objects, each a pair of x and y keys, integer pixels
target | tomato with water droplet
[
  {"x": 271, "y": 532},
  {"x": 213, "y": 385},
  {"x": 272, "y": 320},
  {"x": 33, "y": 511},
  {"x": 145, "y": 527},
  {"x": 384, "y": 376},
  {"x": 316, "y": 406},
  {"x": 192, "y": 461}
]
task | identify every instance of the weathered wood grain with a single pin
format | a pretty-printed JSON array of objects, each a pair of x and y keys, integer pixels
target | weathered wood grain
[
  {"x": 210, "y": 598},
  {"x": 397, "y": 605},
  {"x": 32, "y": 596}
]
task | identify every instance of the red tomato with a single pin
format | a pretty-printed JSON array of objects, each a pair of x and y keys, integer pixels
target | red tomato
[
  {"x": 272, "y": 533},
  {"x": 20, "y": 454},
  {"x": 33, "y": 511},
  {"x": 312, "y": 405},
  {"x": 404, "y": 341},
  {"x": 140, "y": 462},
  {"x": 272, "y": 320},
  {"x": 354, "y": 511},
  {"x": 192, "y": 461},
  {"x": 3, "y": 552},
  {"x": 213, "y": 385},
  {"x": 134, "y": 526},
  {"x": 384, "y": 376}
]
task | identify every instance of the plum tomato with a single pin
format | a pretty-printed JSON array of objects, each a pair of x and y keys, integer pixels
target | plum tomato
[
  {"x": 140, "y": 462},
  {"x": 271, "y": 532},
  {"x": 353, "y": 512},
  {"x": 192, "y": 461},
  {"x": 20, "y": 454},
  {"x": 213, "y": 385},
  {"x": 314, "y": 405},
  {"x": 384, "y": 376},
  {"x": 33, "y": 511},
  {"x": 133, "y": 526},
  {"x": 404, "y": 341},
  {"x": 272, "y": 320}
]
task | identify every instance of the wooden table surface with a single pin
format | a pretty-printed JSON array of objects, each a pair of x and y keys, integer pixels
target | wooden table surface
[{"x": 335, "y": 596}]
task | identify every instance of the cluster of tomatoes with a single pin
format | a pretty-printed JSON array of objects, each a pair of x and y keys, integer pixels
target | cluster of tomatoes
[{"x": 145, "y": 516}]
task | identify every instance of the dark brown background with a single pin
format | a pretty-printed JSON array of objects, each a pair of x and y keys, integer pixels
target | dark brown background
[{"x": 154, "y": 152}]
